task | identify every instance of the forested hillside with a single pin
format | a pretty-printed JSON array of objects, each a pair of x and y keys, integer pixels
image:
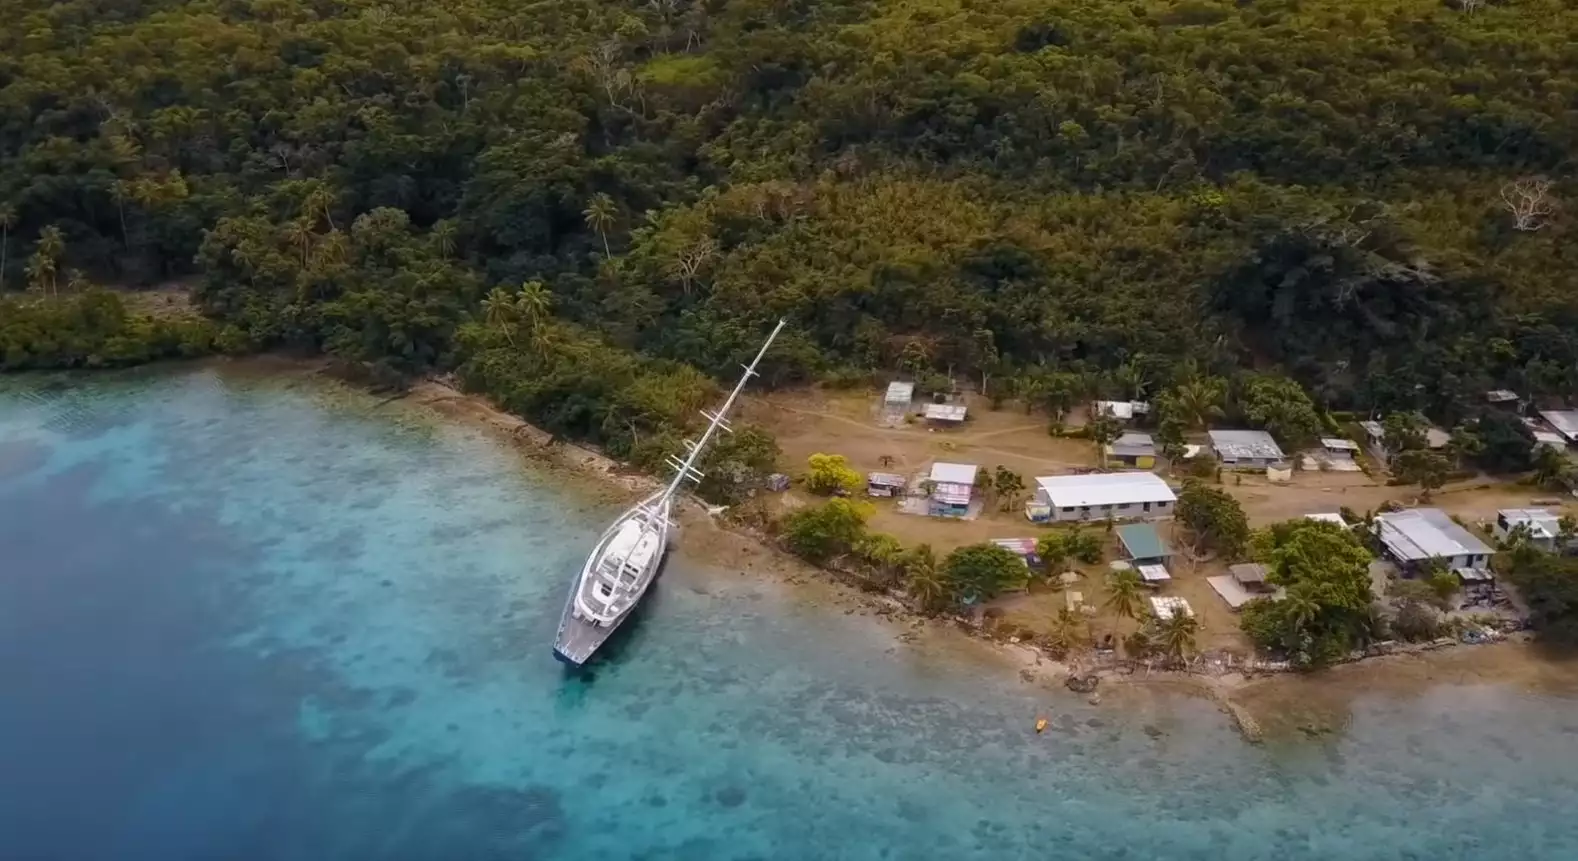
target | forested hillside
[{"x": 1367, "y": 195}]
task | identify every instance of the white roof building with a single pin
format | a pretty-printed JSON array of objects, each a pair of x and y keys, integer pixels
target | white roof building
[
  {"x": 1564, "y": 421},
  {"x": 945, "y": 412},
  {"x": 1167, "y": 606},
  {"x": 1236, "y": 445},
  {"x": 1123, "y": 410},
  {"x": 1542, "y": 523},
  {"x": 1552, "y": 439},
  {"x": 1418, "y": 534},
  {"x": 1111, "y": 488},
  {"x": 899, "y": 394},
  {"x": 1328, "y": 517},
  {"x": 1434, "y": 436},
  {"x": 953, "y": 473},
  {"x": 1333, "y": 444}
]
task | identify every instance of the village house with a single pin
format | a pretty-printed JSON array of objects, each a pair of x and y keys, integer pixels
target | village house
[
  {"x": 1564, "y": 422},
  {"x": 1542, "y": 526},
  {"x": 1133, "y": 449},
  {"x": 1116, "y": 495},
  {"x": 953, "y": 484},
  {"x": 1123, "y": 411},
  {"x": 1413, "y": 537},
  {"x": 885, "y": 484},
  {"x": 1375, "y": 437},
  {"x": 899, "y": 395},
  {"x": 1146, "y": 550},
  {"x": 1245, "y": 448},
  {"x": 944, "y": 415},
  {"x": 1338, "y": 451},
  {"x": 1244, "y": 583}
]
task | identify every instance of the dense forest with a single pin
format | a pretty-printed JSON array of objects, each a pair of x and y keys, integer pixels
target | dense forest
[{"x": 578, "y": 204}]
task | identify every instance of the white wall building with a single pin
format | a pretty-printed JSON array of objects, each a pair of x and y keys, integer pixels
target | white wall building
[
  {"x": 1544, "y": 526},
  {"x": 1118, "y": 495}
]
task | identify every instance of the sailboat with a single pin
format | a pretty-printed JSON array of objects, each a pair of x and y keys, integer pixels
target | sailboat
[{"x": 626, "y": 558}]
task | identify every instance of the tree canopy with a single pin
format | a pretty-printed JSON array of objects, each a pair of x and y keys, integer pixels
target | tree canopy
[
  {"x": 1326, "y": 611},
  {"x": 1368, "y": 198}
]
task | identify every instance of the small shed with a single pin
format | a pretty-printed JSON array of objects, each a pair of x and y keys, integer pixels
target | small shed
[
  {"x": 1024, "y": 548},
  {"x": 1132, "y": 449},
  {"x": 1339, "y": 449},
  {"x": 885, "y": 484},
  {"x": 1245, "y": 448},
  {"x": 1251, "y": 576},
  {"x": 899, "y": 395},
  {"x": 777, "y": 482},
  {"x": 1550, "y": 439},
  {"x": 1143, "y": 544},
  {"x": 1153, "y": 574},
  {"x": 945, "y": 415},
  {"x": 1242, "y": 584},
  {"x": 1502, "y": 397},
  {"x": 1328, "y": 517}
]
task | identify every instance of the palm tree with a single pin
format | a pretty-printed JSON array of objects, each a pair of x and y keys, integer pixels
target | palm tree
[
  {"x": 600, "y": 213},
  {"x": 1200, "y": 400},
  {"x": 1177, "y": 635},
  {"x": 1300, "y": 609},
  {"x": 533, "y": 303},
  {"x": 498, "y": 311},
  {"x": 444, "y": 236},
  {"x": 1124, "y": 590},
  {"x": 927, "y": 587},
  {"x": 1068, "y": 629},
  {"x": 42, "y": 268},
  {"x": 7, "y": 221}
]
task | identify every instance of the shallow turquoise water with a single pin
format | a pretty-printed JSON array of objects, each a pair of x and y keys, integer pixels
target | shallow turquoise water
[{"x": 269, "y": 620}]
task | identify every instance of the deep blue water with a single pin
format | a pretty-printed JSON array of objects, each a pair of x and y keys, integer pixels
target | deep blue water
[{"x": 255, "y": 619}]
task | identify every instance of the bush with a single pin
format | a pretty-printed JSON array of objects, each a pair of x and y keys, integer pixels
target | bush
[
  {"x": 1416, "y": 622},
  {"x": 981, "y": 572},
  {"x": 831, "y": 473},
  {"x": 825, "y": 531}
]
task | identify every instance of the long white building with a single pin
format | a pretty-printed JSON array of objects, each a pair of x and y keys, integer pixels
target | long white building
[{"x": 1115, "y": 495}]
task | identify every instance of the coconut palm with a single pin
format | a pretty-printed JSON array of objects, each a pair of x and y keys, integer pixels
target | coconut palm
[
  {"x": 498, "y": 311},
  {"x": 533, "y": 303},
  {"x": 1176, "y": 635},
  {"x": 1067, "y": 630},
  {"x": 600, "y": 213},
  {"x": 1200, "y": 400},
  {"x": 1300, "y": 609},
  {"x": 1125, "y": 593},
  {"x": 444, "y": 236},
  {"x": 927, "y": 587}
]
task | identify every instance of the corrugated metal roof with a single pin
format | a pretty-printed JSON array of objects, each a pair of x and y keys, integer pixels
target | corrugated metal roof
[
  {"x": 1426, "y": 533},
  {"x": 1248, "y": 572},
  {"x": 956, "y": 473},
  {"x": 1245, "y": 443},
  {"x": 1133, "y": 444},
  {"x": 1167, "y": 606},
  {"x": 1153, "y": 573},
  {"x": 1328, "y": 517},
  {"x": 1542, "y": 522},
  {"x": 1501, "y": 396},
  {"x": 1434, "y": 436},
  {"x": 1124, "y": 410},
  {"x": 1564, "y": 421},
  {"x": 887, "y": 479},
  {"x": 946, "y": 412},
  {"x": 900, "y": 393},
  {"x": 1142, "y": 541},
  {"x": 1112, "y": 488},
  {"x": 1339, "y": 444},
  {"x": 950, "y": 493},
  {"x": 1021, "y": 546}
]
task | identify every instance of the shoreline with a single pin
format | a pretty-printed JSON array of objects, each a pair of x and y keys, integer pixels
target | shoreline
[
  {"x": 1242, "y": 697},
  {"x": 1251, "y": 701}
]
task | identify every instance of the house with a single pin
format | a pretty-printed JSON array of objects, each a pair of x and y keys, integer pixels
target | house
[
  {"x": 1132, "y": 449},
  {"x": 1337, "y": 450},
  {"x": 1565, "y": 423},
  {"x": 952, "y": 486},
  {"x": 1375, "y": 435},
  {"x": 1502, "y": 398},
  {"x": 1542, "y": 526},
  {"x": 1417, "y": 535},
  {"x": 1245, "y": 448},
  {"x": 945, "y": 415},
  {"x": 1243, "y": 583},
  {"x": 1549, "y": 439},
  {"x": 1143, "y": 544},
  {"x": 1123, "y": 411},
  {"x": 1116, "y": 495},
  {"x": 899, "y": 395},
  {"x": 885, "y": 484}
]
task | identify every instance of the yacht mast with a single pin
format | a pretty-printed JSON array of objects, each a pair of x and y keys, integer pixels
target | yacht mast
[{"x": 686, "y": 469}]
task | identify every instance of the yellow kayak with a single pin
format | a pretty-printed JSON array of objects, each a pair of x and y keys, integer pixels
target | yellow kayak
[{"x": 1041, "y": 724}]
